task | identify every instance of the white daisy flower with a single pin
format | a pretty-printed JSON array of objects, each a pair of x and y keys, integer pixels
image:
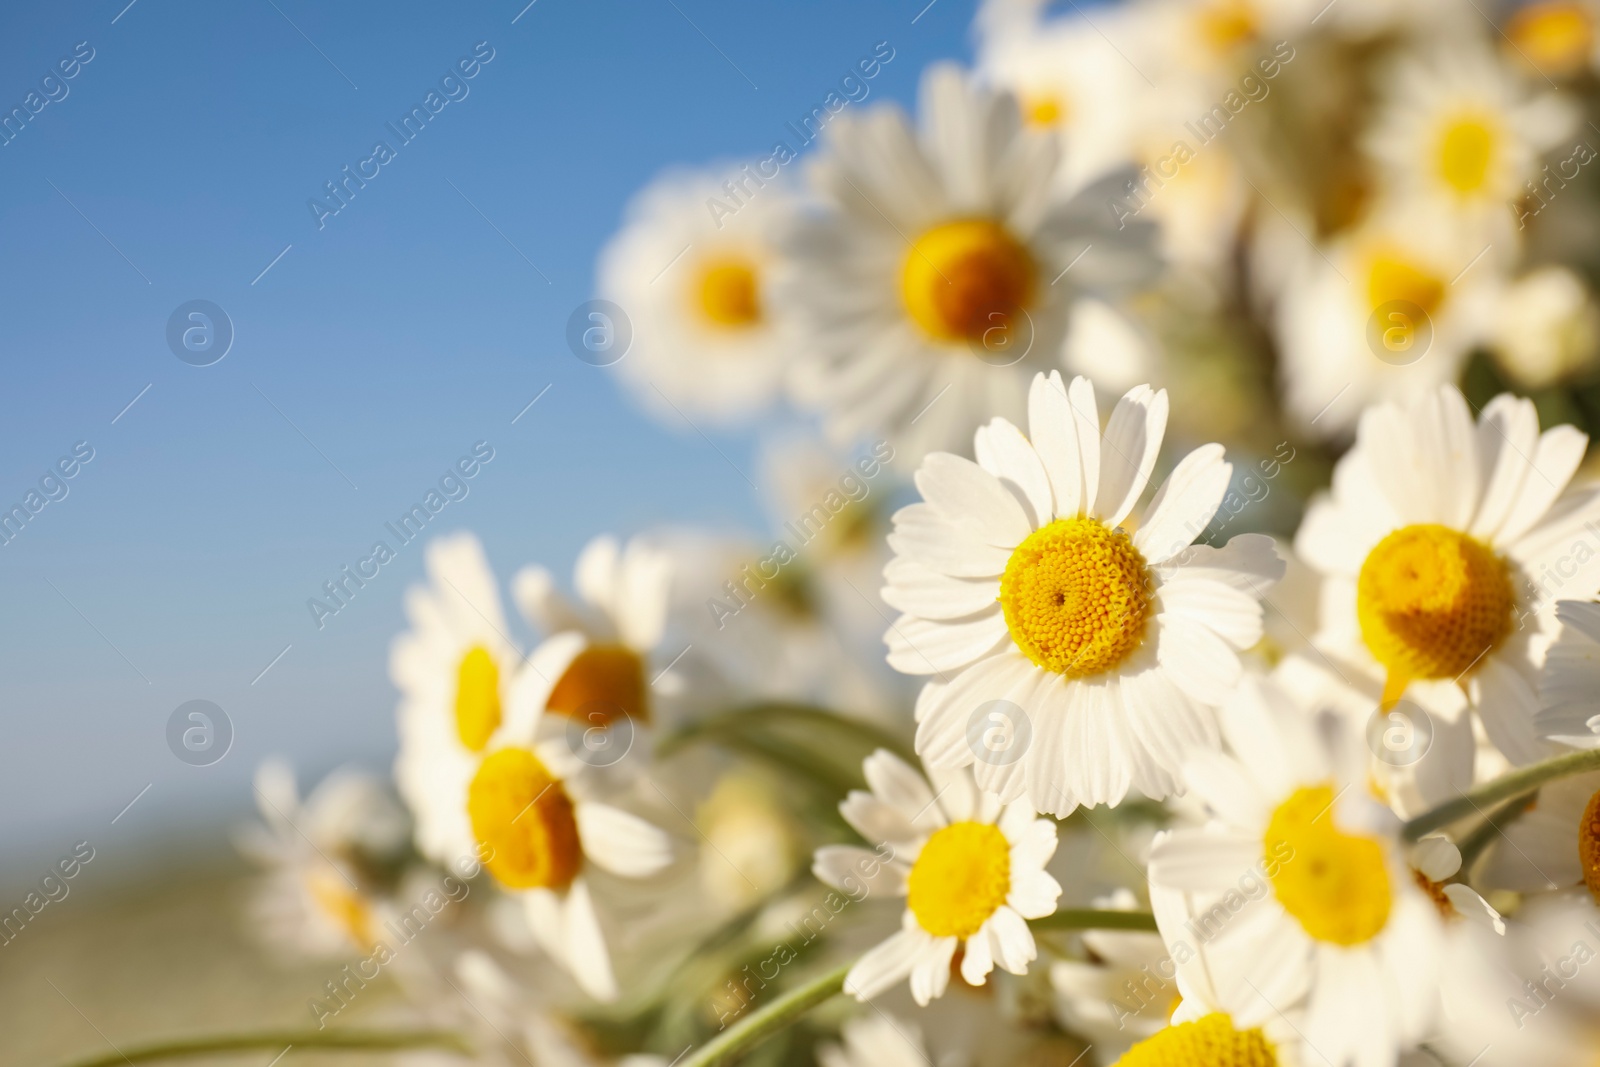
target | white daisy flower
[
  {"x": 971, "y": 870},
  {"x": 1440, "y": 547},
  {"x": 317, "y": 898},
  {"x": 1390, "y": 311},
  {"x": 1340, "y": 925},
  {"x": 538, "y": 832},
  {"x": 692, "y": 268},
  {"x": 940, "y": 273},
  {"x": 875, "y": 1041},
  {"x": 1546, "y": 328},
  {"x": 453, "y": 669},
  {"x": 596, "y": 665},
  {"x": 1028, "y": 578},
  {"x": 1459, "y": 131}
]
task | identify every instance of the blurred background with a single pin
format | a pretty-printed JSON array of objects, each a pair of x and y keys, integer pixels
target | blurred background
[{"x": 369, "y": 355}]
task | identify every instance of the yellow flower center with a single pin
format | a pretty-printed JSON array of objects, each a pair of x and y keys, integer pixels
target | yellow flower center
[
  {"x": 1589, "y": 846},
  {"x": 477, "y": 698},
  {"x": 1431, "y": 602},
  {"x": 1075, "y": 597},
  {"x": 603, "y": 683},
  {"x": 1226, "y": 24},
  {"x": 1045, "y": 109},
  {"x": 1557, "y": 37},
  {"x": 1210, "y": 1041},
  {"x": 962, "y": 875},
  {"x": 1334, "y": 884},
  {"x": 1466, "y": 147},
  {"x": 342, "y": 905},
  {"x": 522, "y": 813},
  {"x": 1394, "y": 277},
  {"x": 729, "y": 293},
  {"x": 961, "y": 279}
]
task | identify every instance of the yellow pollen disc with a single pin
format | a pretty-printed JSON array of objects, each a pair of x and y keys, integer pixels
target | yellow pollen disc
[
  {"x": 1210, "y": 1041},
  {"x": 1393, "y": 277},
  {"x": 963, "y": 278},
  {"x": 1226, "y": 24},
  {"x": 345, "y": 907},
  {"x": 1075, "y": 597},
  {"x": 477, "y": 698},
  {"x": 603, "y": 683},
  {"x": 522, "y": 813},
  {"x": 1334, "y": 884},
  {"x": 1432, "y": 602},
  {"x": 729, "y": 293},
  {"x": 1589, "y": 846},
  {"x": 1045, "y": 109},
  {"x": 962, "y": 875},
  {"x": 1466, "y": 147},
  {"x": 1556, "y": 37}
]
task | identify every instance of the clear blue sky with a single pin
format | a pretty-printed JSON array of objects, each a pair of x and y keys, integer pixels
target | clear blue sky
[{"x": 178, "y": 165}]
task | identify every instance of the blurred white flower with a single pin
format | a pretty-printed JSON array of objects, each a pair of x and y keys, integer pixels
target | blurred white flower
[{"x": 692, "y": 268}]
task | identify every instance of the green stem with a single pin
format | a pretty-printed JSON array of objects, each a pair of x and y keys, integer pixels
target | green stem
[
  {"x": 276, "y": 1040},
  {"x": 778, "y": 714},
  {"x": 763, "y": 1022},
  {"x": 1096, "y": 919},
  {"x": 1515, "y": 784},
  {"x": 1474, "y": 843}
]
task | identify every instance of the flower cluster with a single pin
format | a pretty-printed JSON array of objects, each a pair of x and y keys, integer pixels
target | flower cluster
[{"x": 1193, "y": 400}]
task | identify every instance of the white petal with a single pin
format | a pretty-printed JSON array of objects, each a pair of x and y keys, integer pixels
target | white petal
[
  {"x": 1131, "y": 444},
  {"x": 1224, "y": 786},
  {"x": 1202, "y": 859},
  {"x": 1235, "y": 615},
  {"x": 897, "y": 783},
  {"x": 1506, "y": 703},
  {"x": 931, "y": 646},
  {"x": 978, "y": 959},
  {"x": 587, "y": 955},
  {"x": 1185, "y": 504},
  {"x": 930, "y": 973},
  {"x": 621, "y": 842},
  {"x": 1013, "y": 941},
  {"x": 1052, "y": 430},
  {"x": 884, "y": 965},
  {"x": 1554, "y": 462},
  {"x": 1508, "y": 433},
  {"x": 1086, "y": 419},
  {"x": 856, "y": 870},
  {"x": 926, "y": 536},
  {"x": 1004, "y": 452},
  {"x": 968, "y": 495},
  {"x": 1199, "y": 661},
  {"x": 918, "y": 590}
]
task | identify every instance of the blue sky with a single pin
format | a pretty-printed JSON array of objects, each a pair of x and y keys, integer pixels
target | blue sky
[{"x": 371, "y": 356}]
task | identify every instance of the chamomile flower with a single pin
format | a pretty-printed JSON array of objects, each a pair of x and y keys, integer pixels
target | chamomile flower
[
  {"x": 692, "y": 268},
  {"x": 971, "y": 870},
  {"x": 540, "y": 834},
  {"x": 1342, "y": 926},
  {"x": 1390, "y": 311},
  {"x": 1546, "y": 328},
  {"x": 594, "y": 666},
  {"x": 1437, "y": 546},
  {"x": 453, "y": 669},
  {"x": 1029, "y": 578},
  {"x": 317, "y": 897},
  {"x": 1459, "y": 131},
  {"x": 940, "y": 271}
]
